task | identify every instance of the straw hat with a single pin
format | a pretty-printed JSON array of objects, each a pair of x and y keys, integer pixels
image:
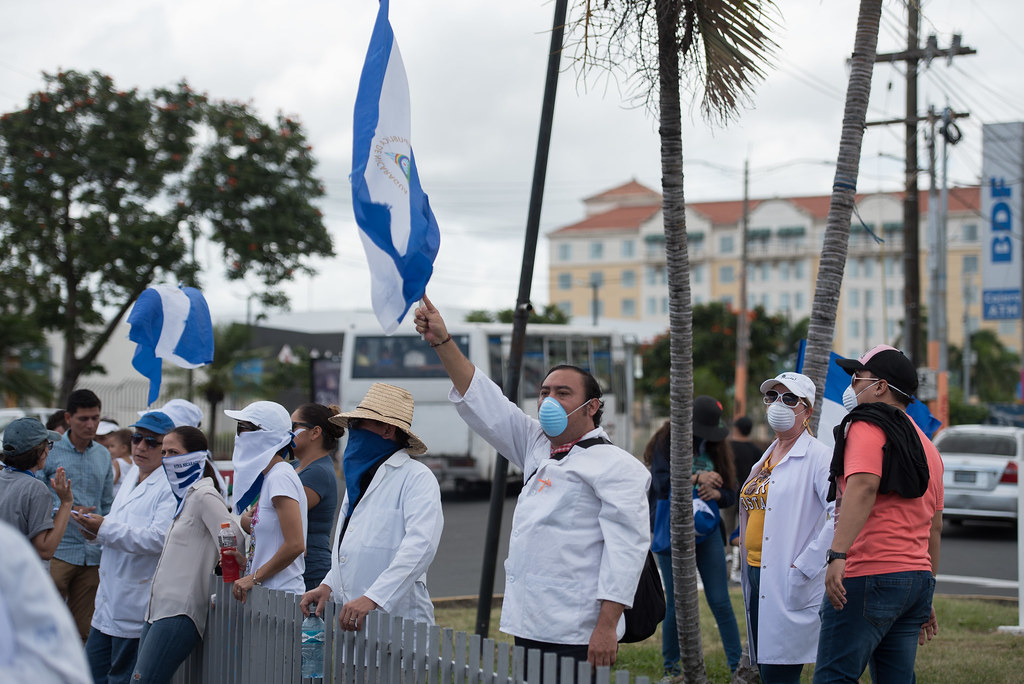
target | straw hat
[{"x": 387, "y": 404}]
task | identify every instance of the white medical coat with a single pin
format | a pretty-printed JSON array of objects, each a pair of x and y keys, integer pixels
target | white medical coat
[
  {"x": 132, "y": 535},
  {"x": 798, "y": 529},
  {"x": 581, "y": 527},
  {"x": 390, "y": 540}
]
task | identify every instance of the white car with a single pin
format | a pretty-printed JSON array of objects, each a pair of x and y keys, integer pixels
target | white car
[
  {"x": 8, "y": 415},
  {"x": 981, "y": 464}
]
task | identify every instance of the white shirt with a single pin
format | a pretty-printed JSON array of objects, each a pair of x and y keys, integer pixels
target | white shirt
[
  {"x": 132, "y": 535},
  {"x": 798, "y": 529},
  {"x": 390, "y": 541},
  {"x": 266, "y": 529},
  {"x": 581, "y": 527}
]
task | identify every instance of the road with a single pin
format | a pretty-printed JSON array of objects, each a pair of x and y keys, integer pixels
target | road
[{"x": 976, "y": 559}]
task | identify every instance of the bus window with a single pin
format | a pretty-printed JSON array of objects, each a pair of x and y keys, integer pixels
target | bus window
[
  {"x": 580, "y": 349},
  {"x": 602, "y": 368},
  {"x": 534, "y": 367},
  {"x": 400, "y": 356},
  {"x": 495, "y": 361},
  {"x": 557, "y": 353}
]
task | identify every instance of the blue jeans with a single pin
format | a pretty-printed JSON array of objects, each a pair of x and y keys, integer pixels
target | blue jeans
[
  {"x": 164, "y": 646},
  {"x": 713, "y": 574},
  {"x": 878, "y": 626},
  {"x": 111, "y": 659},
  {"x": 770, "y": 673}
]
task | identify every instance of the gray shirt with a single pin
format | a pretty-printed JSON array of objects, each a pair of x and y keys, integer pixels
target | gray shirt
[{"x": 25, "y": 502}]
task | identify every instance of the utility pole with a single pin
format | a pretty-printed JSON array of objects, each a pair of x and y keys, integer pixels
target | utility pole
[
  {"x": 594, "y": 301},
  {"x": 742, "y": 323},
  {"x": 911, "y": 209}
]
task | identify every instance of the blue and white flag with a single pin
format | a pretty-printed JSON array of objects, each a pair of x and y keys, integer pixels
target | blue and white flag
[
  {"x": 833, "y": 411},
  {"x": 398, "y": 230},
  {"x": 171, "y": 323}
]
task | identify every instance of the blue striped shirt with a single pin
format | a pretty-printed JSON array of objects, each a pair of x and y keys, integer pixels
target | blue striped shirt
[{"x": 92, "y": 482}]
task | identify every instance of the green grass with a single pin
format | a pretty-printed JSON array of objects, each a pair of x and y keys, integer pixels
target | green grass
[{"x": 967, "y": 650}]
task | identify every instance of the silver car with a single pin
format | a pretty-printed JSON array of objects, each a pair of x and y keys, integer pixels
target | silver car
[{"x": 981, "y": 465}]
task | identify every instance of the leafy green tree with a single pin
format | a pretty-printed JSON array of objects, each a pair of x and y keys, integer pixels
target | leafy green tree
[
  {"x": 222, "y": 380},
  {"x": 21, "y": 346},
  {"x": 549, "y": 314},
  {"x": 104, "y": 191},
  {"x": 993, "y": 364}
]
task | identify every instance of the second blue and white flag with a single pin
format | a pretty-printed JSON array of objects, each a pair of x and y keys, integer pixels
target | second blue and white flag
[{"x": 398, "y": 230}]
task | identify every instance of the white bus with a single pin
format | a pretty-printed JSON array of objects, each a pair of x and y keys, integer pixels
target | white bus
[{"x": 459, "y": 458}]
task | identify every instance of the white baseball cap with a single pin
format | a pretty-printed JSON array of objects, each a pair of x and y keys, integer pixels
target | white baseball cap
[
  {"x": 797, "y": 383},
  {"x": 106, "y": 427},
  {"x": 265, "y": 415}
]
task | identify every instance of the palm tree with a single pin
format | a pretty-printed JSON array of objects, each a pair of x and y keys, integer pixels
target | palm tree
[
  {"x": 821, "y": 329},
  {"x": 725, "y": 44}
]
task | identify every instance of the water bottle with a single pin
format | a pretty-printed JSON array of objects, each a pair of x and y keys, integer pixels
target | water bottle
[
  {"x": 313, "y": 644},
  {"x": 228, "y": 543}
]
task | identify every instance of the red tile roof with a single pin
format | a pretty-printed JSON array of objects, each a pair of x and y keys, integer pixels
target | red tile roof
[
  {"x": 630, "y": 189},
  {"x": 623, "y": 218}
]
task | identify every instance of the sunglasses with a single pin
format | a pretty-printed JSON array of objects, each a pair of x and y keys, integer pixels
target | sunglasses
[
  {"x": 151, "y": 442},
  {"x": 245, "y": 427},
  {"x": 788, "y": 398}
]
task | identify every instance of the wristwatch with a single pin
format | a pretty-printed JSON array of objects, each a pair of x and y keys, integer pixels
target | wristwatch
[{"x": 833, "y": 555}]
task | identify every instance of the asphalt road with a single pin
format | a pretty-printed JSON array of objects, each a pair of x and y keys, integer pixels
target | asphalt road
[{"x": 976, "y": 559}]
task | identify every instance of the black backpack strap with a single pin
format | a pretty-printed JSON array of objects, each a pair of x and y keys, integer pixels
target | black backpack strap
[{"x": 582, "y": 444}]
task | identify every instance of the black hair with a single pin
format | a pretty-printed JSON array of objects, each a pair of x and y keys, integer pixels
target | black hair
[
  {"x": 744, "y": 425},
  {"x": 26, "y": 459},
  {"x": 57, "y": 420},
  {"x": 320, "y": 416},
  {"x": 193, "y": 439},
  {"x": 591, "y": 388},
  {"x": 720, "y": 453},
  {"x": 82, "y": 398}
]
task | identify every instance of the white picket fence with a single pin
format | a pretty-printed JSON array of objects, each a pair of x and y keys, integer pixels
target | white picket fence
[{"x": 260, "y": 642}]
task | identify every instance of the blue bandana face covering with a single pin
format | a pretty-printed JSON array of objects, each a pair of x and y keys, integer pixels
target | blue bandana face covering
[
  {"x": 364, "y": 449},
  {"x": 182, "y": 472},
  {"x": 553, "y": 418}
]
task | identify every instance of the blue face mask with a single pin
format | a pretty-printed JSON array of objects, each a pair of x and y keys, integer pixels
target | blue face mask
[
  {"x": 553, "y": 418},
  {"x": 364, "y": 449}
]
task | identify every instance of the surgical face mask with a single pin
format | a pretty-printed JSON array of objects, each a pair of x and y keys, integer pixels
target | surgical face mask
[
  {"x": 553, "y": 418},
  {"x": 780, "y": 417},
  {"x": 850, "y": 400}
]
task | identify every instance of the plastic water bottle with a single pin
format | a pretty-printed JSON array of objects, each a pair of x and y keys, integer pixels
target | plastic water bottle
[
  {"x": 228, "y": 543},
  {"x": 313, "y": 644}
]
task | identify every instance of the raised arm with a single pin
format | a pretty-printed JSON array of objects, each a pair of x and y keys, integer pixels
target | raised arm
[{"x": 430, "y": 324}]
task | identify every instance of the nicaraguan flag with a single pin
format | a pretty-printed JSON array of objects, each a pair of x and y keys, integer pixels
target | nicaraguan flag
[
  {"x": 171, "y": 323},
  {"x": 833, "y": 411},
  {"x": 398, "y": 230}
]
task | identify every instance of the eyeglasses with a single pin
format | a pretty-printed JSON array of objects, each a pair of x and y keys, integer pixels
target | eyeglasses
[
  {"x": 245, "y": 427},
  {"x": 151, "y": 442},
  {"x": 855, "y": 379},
  {"x": 788, "y": 398},
  {"x": 308, "y": 426}
]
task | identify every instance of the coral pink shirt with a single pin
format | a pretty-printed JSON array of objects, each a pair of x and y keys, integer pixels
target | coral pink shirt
[{"x": 895, "y": 536}]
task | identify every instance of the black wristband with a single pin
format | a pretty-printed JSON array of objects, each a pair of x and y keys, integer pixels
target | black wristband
[{"x": 447, "y": 339}]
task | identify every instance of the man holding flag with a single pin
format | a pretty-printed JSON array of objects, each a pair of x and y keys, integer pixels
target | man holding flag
[{"x": 399, "y": 232}]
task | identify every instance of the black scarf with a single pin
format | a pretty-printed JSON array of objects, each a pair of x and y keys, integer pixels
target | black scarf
[{"x": 904, "y": 465}]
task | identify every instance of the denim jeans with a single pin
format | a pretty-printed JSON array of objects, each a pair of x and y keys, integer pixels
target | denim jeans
[
  {"x": 111, "y": 659},
  {"x": 164, "y": 646},
  {"x": 714, "y": 576},
  {"x": 775, "y": 673},
  {"x": 878, "y": 626}
]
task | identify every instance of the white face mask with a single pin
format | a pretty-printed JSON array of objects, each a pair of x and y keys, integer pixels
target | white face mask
[
  {"x": 850, "y": 400},
  {"x": 781, "y": 417}
]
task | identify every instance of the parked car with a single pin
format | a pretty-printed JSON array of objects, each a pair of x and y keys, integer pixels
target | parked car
[
  {"x": 981, "y": 463},
  {"x": 8, "y": 415}
]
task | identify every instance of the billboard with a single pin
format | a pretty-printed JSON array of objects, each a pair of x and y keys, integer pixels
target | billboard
[{"x": 1002, "y": 169}]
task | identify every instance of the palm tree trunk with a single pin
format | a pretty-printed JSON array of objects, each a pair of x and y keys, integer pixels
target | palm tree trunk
[
  {"x": 684, "y": 561},
  {"x": 821, "y": 330}
]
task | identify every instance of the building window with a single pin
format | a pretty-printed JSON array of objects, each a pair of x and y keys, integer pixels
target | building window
[
  {"x": 651, "y": 274},
  {"x": 726, "y": 275},
  {"x": 751, "y": 301},
  {"x": 698, "y": 273},
  {"x": 798, "y": 301},
  {"x": 566, "y": 308},
  {"x": 628, "y": 249},
  {"x": 564, "y": 281},
  {"x": 890, "y": 297},
  {"x": 869, "y": 328},
  {"x": 970, "y": 264},
  {"x": 751, "y": 273},
  {"x": 854, "y": 328},
  {"x": 596, "y": 250},
  {"x": 854, "y": 268},
  {"x": 784, "y": 270},
  {"x": 564, "y": 252},
  {"x": 726, "y": 244},
  {"x": 629, "y": 278},
  {"x": 652, "y": 306},
  {"x": 664, "y": 305},
  {"x": 784, "y": 301},
  {"x": 798, "y": 270},
  {"x": 596, "y": 278},
  {"x": 629, "y": 307},
  {"x": 867, "y": 267},
  {"x": 854, "y": 298},
  {"x": 890, "y": 329},
  {"x": 766, "y": 301},
  {"x": 869, "y": 299},
  {"x": 970, "y": 232}
]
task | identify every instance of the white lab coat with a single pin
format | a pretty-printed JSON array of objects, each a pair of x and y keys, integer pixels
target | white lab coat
[
  {"x": 390, "y": 541},
  {"x": 798, "y": 529},
  {"x": 581, "y": 527},
  {"x": 132, "y": 535}
]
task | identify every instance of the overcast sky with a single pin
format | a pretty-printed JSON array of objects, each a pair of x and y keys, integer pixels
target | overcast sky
[{"x": 476, "y": 71}]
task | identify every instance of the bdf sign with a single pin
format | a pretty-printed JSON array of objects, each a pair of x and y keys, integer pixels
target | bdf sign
[{"x": 1002, "y": 170}]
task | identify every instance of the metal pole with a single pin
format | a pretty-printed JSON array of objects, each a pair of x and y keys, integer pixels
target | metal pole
[
  {"x": 933, "y": 242},
  {"x": 967, "y": 338},
  {"x": 522, "y": 313},
  {"x": 742, "y": 323},
  {"x": 594, "y": 301}
]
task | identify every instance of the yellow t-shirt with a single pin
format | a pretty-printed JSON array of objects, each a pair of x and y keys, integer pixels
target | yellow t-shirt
[{"x": 752, "y": 500}]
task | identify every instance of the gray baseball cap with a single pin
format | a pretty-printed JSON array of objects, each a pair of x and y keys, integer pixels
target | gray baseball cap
[{"x": 26, "y": 433}]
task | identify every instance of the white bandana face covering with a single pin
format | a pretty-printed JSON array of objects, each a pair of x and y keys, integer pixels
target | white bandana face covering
[
  {"x": 253, "y": 451},
  {"x": 183, "y": 471}
]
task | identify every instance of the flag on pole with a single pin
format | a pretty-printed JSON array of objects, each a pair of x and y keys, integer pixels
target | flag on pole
[
  {"x": 833, "y": 411},
  {"x": 398, "y": 230},
  {"x": 171, "y": 323}
]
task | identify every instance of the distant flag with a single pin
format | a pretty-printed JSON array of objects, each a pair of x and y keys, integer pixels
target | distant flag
[
  {"x": 171, "y": 323},
  {"x": 832, "y": 410},
  {"x": 399, "y": 232}
]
